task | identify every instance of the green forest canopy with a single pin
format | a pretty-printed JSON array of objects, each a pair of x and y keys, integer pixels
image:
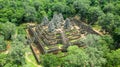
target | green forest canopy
[{"x": 104, "y": 13}]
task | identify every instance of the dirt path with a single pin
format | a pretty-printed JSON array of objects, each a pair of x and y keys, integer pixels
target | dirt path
[{"x": 28, "y": 59}]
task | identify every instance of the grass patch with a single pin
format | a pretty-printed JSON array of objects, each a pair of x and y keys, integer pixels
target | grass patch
[
  {"x": 30, "y": 59},
  {"x": 29, "y": 64},
  {"x": 60, "y": 45},
  {"x": 97, "y": 27},
  {"x": 67, "y": 33},
  {"x": 46, "y": 48},
  {"x": 73, "y": 40}
]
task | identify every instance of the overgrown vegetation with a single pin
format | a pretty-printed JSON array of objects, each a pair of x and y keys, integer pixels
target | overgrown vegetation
[{"x": 102, "y": 51}]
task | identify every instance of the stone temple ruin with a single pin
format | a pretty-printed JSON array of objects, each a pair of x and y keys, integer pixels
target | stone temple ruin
[
  {"x": 56, "y": 35},
  {"x": 67, "y": 24},
  {"x": 45, "y": 21}
]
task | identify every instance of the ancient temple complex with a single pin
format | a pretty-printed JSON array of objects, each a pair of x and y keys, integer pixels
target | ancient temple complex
[{"x": 57, "y": 34}]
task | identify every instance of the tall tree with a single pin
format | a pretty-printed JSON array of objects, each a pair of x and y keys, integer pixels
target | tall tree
[
  {"x": 93, "y": 14},
  {"x": 113, "y": 59},
  {"x": 30, "y": 14},
  {"x": 107, "y": 21},
  {"x": 7, "y": 30},
  {"x": 2, "y": 43},
  {"x": 50, "y": 60},
  {"x": 76, "y": 57},
  {"x": 82, "y": 7},
  {"x": 17, "y": 53}
]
